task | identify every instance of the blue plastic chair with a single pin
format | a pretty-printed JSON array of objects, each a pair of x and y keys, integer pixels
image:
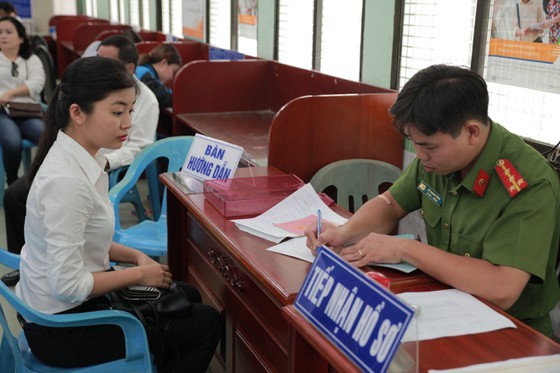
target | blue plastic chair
[
  {"x": 15, "y": 355},
  {"x": 26, "y": 160},
  {"x": 132, "y": 196},
  {"x": 149, "y": 236}
]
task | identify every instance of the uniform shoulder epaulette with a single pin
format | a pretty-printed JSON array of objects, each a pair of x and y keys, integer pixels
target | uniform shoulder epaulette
[{"x": 510, "y": 177}]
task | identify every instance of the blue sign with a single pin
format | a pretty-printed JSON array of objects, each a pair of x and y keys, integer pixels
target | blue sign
[
  {"x": 211, "y": 159},
  {"x": 361, "y": 317},
  {"x": 23, "y": 8}
]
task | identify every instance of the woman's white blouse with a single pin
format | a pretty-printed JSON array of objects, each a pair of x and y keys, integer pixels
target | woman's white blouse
[
  {"x": 68, "y": 229},
  {"x": 30, "y": 72}
]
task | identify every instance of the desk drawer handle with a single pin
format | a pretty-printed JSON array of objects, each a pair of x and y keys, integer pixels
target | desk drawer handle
[
  {"x": 224, "y": 267},
  {"x": 213, "y": 256},
  {"x": 236, "y": 282}
]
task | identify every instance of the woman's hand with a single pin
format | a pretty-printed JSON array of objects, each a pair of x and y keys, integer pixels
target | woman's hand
[
  {"x": 5, "y": 97},
  {"x": 155, "y": 274}
]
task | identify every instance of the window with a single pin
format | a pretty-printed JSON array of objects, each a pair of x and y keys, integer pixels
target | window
[
  {"x": 172, "y": 17},
  {"x": 134, "y": 8},
  {"x": 530, "y": 113},
  {"x": 220, "y": 24},
  {"x": 146, "y": 20},
  {"x": 114, "y": 10},
  {"x": 295, "y": 33},
  {"x": 436, "y": 32},
  {"x": 122, "y": 12},
  {"x": 247, "y": 21},
  {"x": 341, "y": 38},
  {"x": 91, "y": 8}
]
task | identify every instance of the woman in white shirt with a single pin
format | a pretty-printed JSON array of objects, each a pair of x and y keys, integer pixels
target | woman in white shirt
[
  {"x": 22, "y": 78},
  {"x": 69, "y": 228}
]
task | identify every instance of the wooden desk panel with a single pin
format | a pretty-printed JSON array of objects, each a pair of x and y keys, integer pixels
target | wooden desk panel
[
  {"x": 248, "y": 129},
  {"x": 441, "y": 353}
]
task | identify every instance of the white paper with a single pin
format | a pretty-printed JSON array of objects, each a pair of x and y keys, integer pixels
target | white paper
[
  {"x": 298, "y": 205},
  {"x": 532, "y": 364},
  {"x": 451, "y": 312},
  {"x": 295, "y": 247}
]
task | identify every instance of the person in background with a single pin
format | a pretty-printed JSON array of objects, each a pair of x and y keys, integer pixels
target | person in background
[
  {"x": 553, "y": 17},
  {"x": 157, "y": 68},
  {"x": 527, "y": 14},
  {"x": 142, "y": 134},
  {"x": 22, "y": 79},
  {"x": 8, "y": 10},
  {"x": 489, "y": 201},
  {"x": 70, "y": 225},
  {"x": 146, "y": 110}
]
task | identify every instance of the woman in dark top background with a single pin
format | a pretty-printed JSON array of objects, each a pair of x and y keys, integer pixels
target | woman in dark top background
[{"x": 157, "y": 68}]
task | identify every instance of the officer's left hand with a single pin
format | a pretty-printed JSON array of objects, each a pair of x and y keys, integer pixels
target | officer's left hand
[{"x": 374, "y": 248}]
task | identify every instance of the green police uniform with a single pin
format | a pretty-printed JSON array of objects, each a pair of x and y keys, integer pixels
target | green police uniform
[{"x": 513, "y": 223}]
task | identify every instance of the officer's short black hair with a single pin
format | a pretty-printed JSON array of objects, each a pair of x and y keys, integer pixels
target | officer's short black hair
[{"x": 441, "y": 98}]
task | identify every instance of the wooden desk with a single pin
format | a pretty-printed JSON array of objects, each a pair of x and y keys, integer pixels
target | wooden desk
[
  {"x": 236, "y": 274},
  {"x": 312, "y": 349},
  {"x": 254, "y": 290}
]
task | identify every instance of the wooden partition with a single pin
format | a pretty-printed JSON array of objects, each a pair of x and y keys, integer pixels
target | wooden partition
[
  {"x": 54, "y": 20},
  {"x": 312, "y": 131},
  {"x": 87, "y": 33},
  {"x": 65, "y": 31},
  {"x": 188, "y": 50},
  {"x": 148, "y": 35},
  {"x": 236, "y": 101}
]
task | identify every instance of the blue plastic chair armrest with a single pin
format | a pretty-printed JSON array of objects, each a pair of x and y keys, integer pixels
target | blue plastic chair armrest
[{"x": 9, "y": 259}]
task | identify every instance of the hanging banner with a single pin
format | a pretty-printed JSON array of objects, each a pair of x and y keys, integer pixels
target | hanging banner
[
  {"x": 247, "y": 19},
  {"x": 194, "y": 16},
  {"x": 524, "y": 49}
]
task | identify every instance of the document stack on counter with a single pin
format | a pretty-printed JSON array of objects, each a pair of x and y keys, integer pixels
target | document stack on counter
[
  {"x": 298, "y": 206},
  {"x": 451, "y": 312}
]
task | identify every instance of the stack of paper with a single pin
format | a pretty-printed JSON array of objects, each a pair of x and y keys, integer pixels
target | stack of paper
[
  {"x": 297, "y": 207},
  {"x": 451, "y": 312}
]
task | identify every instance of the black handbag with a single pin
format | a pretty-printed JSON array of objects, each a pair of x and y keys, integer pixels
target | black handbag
[
  {"x": 23, "y": 109},
  {"x": 148, "y": 304}
]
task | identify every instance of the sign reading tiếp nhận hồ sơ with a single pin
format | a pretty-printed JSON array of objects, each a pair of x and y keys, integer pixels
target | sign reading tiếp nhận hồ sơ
[{"x": 358, "y": 315}]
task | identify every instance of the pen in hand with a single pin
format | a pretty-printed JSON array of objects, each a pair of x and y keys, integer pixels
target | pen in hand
[{"x": 318, "y": 223}]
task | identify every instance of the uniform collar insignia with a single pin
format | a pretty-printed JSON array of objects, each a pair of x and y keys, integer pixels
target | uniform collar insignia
[{"x": 481, "y": 183}]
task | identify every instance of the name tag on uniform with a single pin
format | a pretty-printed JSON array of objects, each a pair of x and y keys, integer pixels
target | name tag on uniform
[{"x": 429, "y": 192}]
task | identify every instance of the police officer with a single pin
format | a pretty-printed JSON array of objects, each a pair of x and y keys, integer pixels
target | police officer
[{"x": 489, "y": 201}]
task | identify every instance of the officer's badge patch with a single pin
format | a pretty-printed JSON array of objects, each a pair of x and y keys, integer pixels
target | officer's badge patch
[{"x": 430, "y": 193}]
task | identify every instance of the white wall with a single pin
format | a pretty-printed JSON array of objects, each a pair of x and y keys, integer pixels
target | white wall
[{"x": 43, "y": 10}]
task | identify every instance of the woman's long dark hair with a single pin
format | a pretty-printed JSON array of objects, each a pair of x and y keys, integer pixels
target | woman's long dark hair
[
  {"x": 25, "y": 50},
  {"x": 84, "y": 82}
]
